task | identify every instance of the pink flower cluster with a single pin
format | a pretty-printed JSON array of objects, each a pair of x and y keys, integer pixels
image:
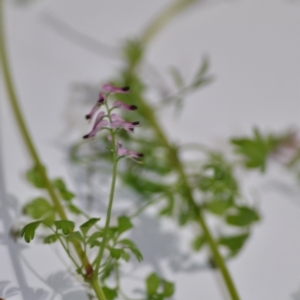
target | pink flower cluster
[{"x": 112, "y": 120}]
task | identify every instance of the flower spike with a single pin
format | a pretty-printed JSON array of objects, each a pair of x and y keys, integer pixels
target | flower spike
[
  {"x": 108, "y": 88},
  {"x": 123, "y": 105}
]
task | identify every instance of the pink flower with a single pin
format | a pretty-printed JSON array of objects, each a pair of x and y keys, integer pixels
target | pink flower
[
  {"x": 96, "y": 106},
  {"x": 123, "y": 105},
  {"x": 98, "y": 125},
  {"x": 108, "y": 88},
  {"x": 122, "y": 152},
  {"x": 118, "y": 122}
]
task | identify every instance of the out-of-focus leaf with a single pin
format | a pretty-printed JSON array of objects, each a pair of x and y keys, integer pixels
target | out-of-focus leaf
[
  {"x": 85, "y": 227},
  {"x": 234, "y": 243},
  {"x": 198, "y": 242},
  {"x": 39, "y": 208},
  {"x": 256, "y": 150},
  {"x": 218, "y": 207},
  {"x": 124, "y": 224},
  {"x": 65, "y": 226},
  {"x": 168, "y": 288},
  {"x": 133, "y": 248},
  {"x": 50, "y": 239},
  {"x": 28, "y": 231},
  {"x": 133, "y": 52},
  {"x": 242, "y": 216},
  {"x": 152, "y": 284},
  {"x": 75, "y": 236},
  {"x": 177, "y": 77},
  {"x": 74, "y": 209},
  {"x": 116, "y": 253},
  {"x": 93, "y": 239},
  {"x": 60, "y": 185},
  {"x": 34, "y": 177}
]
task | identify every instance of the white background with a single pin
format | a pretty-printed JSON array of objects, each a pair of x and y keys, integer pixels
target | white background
[{"x": 254, "y": 48}]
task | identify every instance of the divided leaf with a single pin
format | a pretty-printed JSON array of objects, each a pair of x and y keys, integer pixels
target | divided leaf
[
  {"x": 124, "y": 224},
  {"x": 75, "y": 236},
  {"x": 93, "y": 239},
  {"x": 85, "y": 227},
  {"x": 234, "y": 243},
  {"x": 33, "y": 176},
  {"x": 152, "y": 284},
  {"x": 51, "y": 238},
  {"x": 133, "y": 248},
  {"x": 65, "y": 226},
  {"x": 168, "y": 288},
  {"x": 28, "y": 231},
  {"x": 60, "y": 185},
  {"x": 243, "y": 216},
  {"x": 198, "y": 242},
  {"x": 39, "y": 208},
  {"x": 110, "y": 294}
]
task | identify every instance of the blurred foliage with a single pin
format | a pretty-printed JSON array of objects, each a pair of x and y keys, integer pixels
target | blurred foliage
[{"x": 163, "y": 175}]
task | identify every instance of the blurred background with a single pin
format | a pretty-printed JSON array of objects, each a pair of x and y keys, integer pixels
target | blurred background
[{"x": 253, "y": 47}]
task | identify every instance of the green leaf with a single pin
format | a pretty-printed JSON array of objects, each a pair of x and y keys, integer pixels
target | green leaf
[
  {"x": 116, "y": 253},
  {"x": 218, "y": 207},
  {"x": 256, "y": 150},
  {"x": 133, "y": 248},
  {"x": 124, "y": 224},
  {"x": 66, "y": 226},
  {"x": 243, "y": 216},
  {"x": 60, "y": 185},
  {"x": 51, "y": 238},
  {"x": 28, "y": 231},
  {"x": 75, "y": 236},
  {"x": 169, "y": 208},
  {"x": 74, "y": 209},
  {"x": 198, "y": 242},
  {"x": 201, "y": 77},
  {"x": 92, "y": 240},
  {"x": 234, "y": 243},
  {"x": 152, "y": 284},
  {"x": 168, "y": 288},
  {"x": 85, "y": 227},
  {"x": 133, "y": 52},
  {"x": 177, "y": 77},
  {"x": 125, "y": 256},
  {"x": 34, "y": 177},
  {"x": 110, "y": 294},
  {"x": 40, "y": 208}
]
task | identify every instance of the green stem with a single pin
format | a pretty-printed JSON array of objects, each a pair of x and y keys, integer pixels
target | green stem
[
  {"x": 30, "y": 145},
  {"x": 97, "y": 289},
  {"x": 111, "y": 197},
  {"x": 163, "y": 18},
  {"x": 187, "y": 193}
]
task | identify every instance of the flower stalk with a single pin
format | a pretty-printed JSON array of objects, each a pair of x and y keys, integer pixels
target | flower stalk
[{"x": 7, "y": 77}]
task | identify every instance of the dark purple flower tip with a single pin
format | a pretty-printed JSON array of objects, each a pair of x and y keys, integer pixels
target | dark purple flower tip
[
  {"x": 125, "y": 88},
  {"x": 135, "y": 123},
  {"x": 88, "y": 117},
  {"x": 108, "y": 88},
  {"x": 86, "y": 136},
  {"x": 101, "y": 98},
  {"x": 140, "y": 154},
  {"x": 132, "y": 107}
]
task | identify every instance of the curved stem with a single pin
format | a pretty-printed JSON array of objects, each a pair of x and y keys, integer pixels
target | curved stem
[
  {"x": 163, "y": 18},
  {"x": 30, "y": 145},
  {"x": 187, "y": 193}
]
